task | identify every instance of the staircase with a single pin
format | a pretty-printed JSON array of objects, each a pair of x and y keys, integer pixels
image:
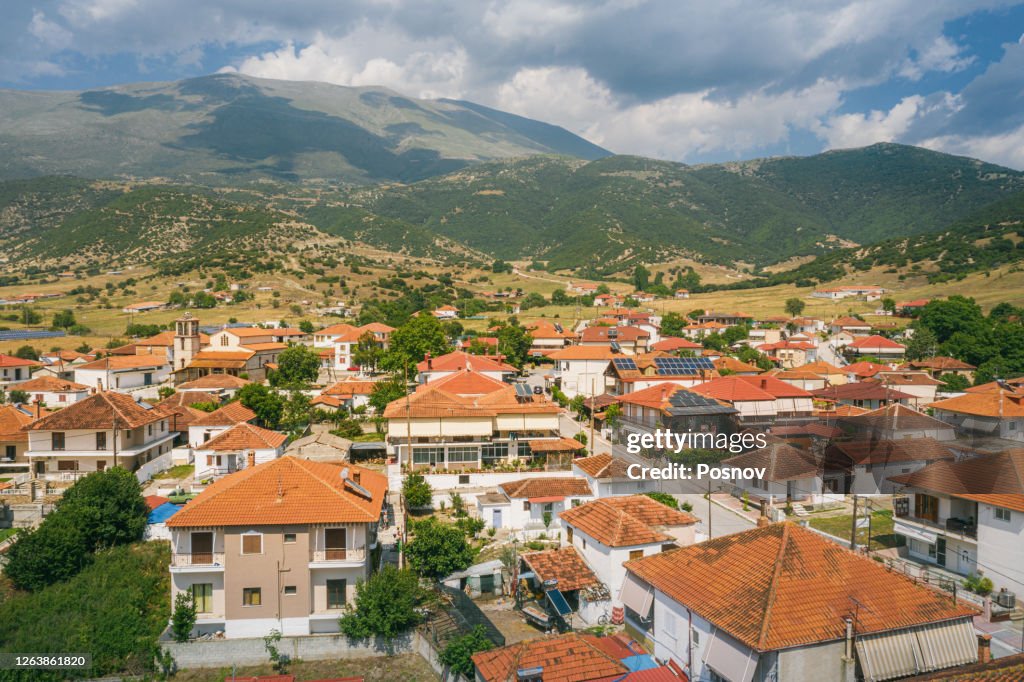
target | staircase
[{"x": 799, "y": 510}]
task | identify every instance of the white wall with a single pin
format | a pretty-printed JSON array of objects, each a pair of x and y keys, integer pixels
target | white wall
[{"x": 1001, "y": 549}]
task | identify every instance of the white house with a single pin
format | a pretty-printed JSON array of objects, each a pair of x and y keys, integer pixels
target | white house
[
  {"x": 606, "y": 475},
  {"x": 790, "y": 474},
  {"x": 867, "y": 464},
  {"x": 532, "y": 505},
  {"x": 124, "y": 372},
  {"x": 580, "y": 370},
  {"x": 243, "y": 445},
  {"x": 217, "y": 422},
  {"x": 493, "y": 367},
  {"x": 782, "y": 602},
  {"x": 52, "y": 392},
  {"x": 15, "y": 370}
]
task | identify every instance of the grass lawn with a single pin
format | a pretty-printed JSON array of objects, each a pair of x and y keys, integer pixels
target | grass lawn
[
  {"x": 882, "y": 536},
  {"x": 6, "y": 533},
  {"x": 407, "y": 667},
  {"x": 179, "y": 471}
]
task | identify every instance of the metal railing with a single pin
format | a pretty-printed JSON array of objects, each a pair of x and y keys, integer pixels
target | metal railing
[
  {"x": 197, "y": 559},
  {"x": 347, "y": 554}
]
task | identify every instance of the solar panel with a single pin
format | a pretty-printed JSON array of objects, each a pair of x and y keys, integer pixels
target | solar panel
[
  {"x": 523, "y": 391},
  {"x": 682, "y": 366},
  {"x": 559, "y": 602},
  {"x": 624, "y": 363},
  {"x": 615, "y": 346},
  {"x": 23, "y": 334},
  {"x": 558, "y": 328}
]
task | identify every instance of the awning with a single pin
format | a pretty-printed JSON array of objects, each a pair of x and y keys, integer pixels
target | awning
[
  {"x": 917, "y": 650},
  {"x": 901, "y": 527},
  {"x": 729, "y": 658},
  {"x": 637, "y": 595},
  {"x": 549, "y": 498}
]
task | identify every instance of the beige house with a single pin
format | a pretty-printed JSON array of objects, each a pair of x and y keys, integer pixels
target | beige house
[{"x": 277, "y": 546}]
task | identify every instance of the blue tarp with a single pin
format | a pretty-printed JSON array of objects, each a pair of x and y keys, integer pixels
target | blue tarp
[
  {"x": 163, "y": 512},
  {"x": 558, "y": 601},
  {"x": 639, "y": 662}
]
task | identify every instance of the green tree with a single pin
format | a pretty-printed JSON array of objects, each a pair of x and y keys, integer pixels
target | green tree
[
  {"x": 18, "y": 396},
  {"x": 183, "y": 618},
  {"x": 267, "y": 404},
  {"x": 306, "y": 327},
  {"x": 641, "y": 277},
  {"x": 458, "y": 653},
  {"x": 107, "y": 506},
  {"x": 922, "y": 344},
  {"x": 438, "y": 549},
  {"x": 202, "y": 299},
  {"x": 955, "y": 314},
  {"x": 64, "y": 319},
  {"x": 384, "y": 605},
  {"x": 560, "y": 297},
  {"x": 26, "y": 352},
  {"x": 417, "y": 492},
  {"x": 295, "y": 413},
  {"x": 889, "y": 304},
  {"x": 297, "y": 365},
  {"x": 53, "y": 552},
  {"x": 665, "y": 499},
  {"x": 672, "y": 324},
  {"x": 412, "y": 341},
  {"x": 29, "y": 316},
  {"x": 385, "y": 392},
  {"x": 367, "y": 352},
  {"x": 514, "y": 343},
  {"x": 795, "y": 306},
  {"x": 954, "y": 383},
  {"x": 612, "y": 416}
]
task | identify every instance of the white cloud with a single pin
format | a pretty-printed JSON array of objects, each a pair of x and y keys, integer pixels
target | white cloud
[
  {"x": 51, "y": 34},
  {"x": 942, "y": 55},
  {"x": 857, "y": 130},
  {"x": 1006, "y": 149}
]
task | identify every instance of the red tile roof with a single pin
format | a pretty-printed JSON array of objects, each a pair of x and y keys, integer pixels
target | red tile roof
[
  {"x": 997, "y": 478},
  {"x": 12, "y": 423},
  {"x": 232, "y": 413},
  {"x": 862, "y": 390},
  {"x": 732, "y": 389},
  {"x": 586, "y": 353},
  {"x": 998, "y": 404},
  {"x": 529, "y": 488},
  {"x": 626, "y": 521},
  {"x": 564, "y": 565},
  {"x": 781, "y": 462},
  {"x": 127, "y": 362},
  {"x": 609, "y": 334},
  {"x": 875, "y": 341},
  {"x": 884, "y": 451},
  {"x": 674, "y": 343},
  {"x": 1007, "y": 669},
  {"x": 466, "y": 394},
  {"x": 286, "y": 490},
  {"x": 895, "y": 417},
  {"x": 11, "y": 361},
  {"x": 938, "y": 363},
  {"x": 784, "y": 586},
  {"x": 775, "y": 387},
  {"x": 50, "y": 384},
  {"x": 864, "y": 369},
  {"x": 566, "y": 658},
  {"x": 457, "y": 360},
  {"x": 98, "y": 411},
  {"x": 656, "y": 397},
  {"x": 219, "y": 381},
  {"x": 244, "y": 436},
  {"x": 602, "y": 466}
]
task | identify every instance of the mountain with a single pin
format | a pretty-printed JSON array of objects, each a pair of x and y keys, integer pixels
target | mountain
[
  {"x": 228, "y": 128},
  {"x": 610, "y": 212}
]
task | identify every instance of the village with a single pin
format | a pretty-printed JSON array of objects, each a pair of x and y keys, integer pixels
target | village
[{"x": 298, "y": 473}]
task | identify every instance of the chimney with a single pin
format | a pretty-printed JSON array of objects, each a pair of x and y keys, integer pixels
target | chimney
[
  {"x": 99, "y": 385},
  {"x": 764, "y": 383},
  {"x": 251, "y": 458},
  {"x": 356, "y": 476},
  {"x": 344, "y": 473},
  {"x": 984, "y": 648},
  {"x": 429, "y": 360},
  {"x": 39, "y": 409}
]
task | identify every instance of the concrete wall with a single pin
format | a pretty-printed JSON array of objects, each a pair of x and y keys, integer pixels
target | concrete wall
[
  {"x": 155, "y": 465},
  {"x": 251, "y": 651}
]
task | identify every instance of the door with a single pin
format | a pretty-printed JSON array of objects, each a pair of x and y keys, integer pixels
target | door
[
  {"x": 101, "y": 465},
  {"x": 940, "y": 551},
  {"x": 965, "y": 563},
  {"x": 497, "y": 518},
  {"x": 147, "y": 379},
  {"x": 202, "y": 548},
  {"x": 335, "y": 543}
]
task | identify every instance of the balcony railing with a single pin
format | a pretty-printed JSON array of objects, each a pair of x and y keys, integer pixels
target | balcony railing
[
  {"x": 328, "y": 555},
  {"x": 951, "y": 525},
  {"x": 197, "y": 559}
]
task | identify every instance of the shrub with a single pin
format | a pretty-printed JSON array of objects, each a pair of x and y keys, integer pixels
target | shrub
[
  {"x": 665, "y": 499},
  {"x": 438, "y": 549},
  {"x": 384, "y": 605},
  {"x": 458, "y": 654},
  {"x": 417, "y": 491},
  {"x": 183, "y": 619}
]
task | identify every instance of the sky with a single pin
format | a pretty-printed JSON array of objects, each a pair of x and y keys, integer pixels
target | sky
[{"x": 690, "y": 81}]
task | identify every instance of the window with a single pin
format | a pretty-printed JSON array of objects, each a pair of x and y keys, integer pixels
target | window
[
  {"x": 202, "y": 595},
  {"x": 10, "y": 451},
  {"x": 1002, "y": 514},
  {"x": 926, "y": 507},
  {"x": 289, "y": 538},
  {"x": 526, "y": 505},
  {"x": 101, "y": 440},
  {"x": 224, "y": 340},
  {"x": 335, "y": 542},
  {"x": 57, "y": 440},
  {"x": 251, "y": 596},
  {"x": 549, "y": 508},
  {"x": 568, "y": 534},
  {"x": 576, "y": 502},
  {"x": 290, "y": 590},
  {"x": 252, "y": 543},
  {"x": 150, "y": 429},
  {"x": 67, "y": 465},
  {"x": 335, "y": 594},
  {"x": 62, "y": 398},
  {"x": 636, "y": 554},
  {"x": 463, "y": 479},
  {"x": 670, "y": 625},
  {"x": 463, "y": 454}
]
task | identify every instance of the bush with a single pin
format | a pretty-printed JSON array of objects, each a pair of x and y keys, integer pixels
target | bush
[
  {"x": 417, "y": 492},
  {"x": 385, "y": 605},
  {"x": 438, "y": 549},
  {"x": 979, "y": 584},
  {"x": 183, "y": 619},
  {"x": 665, "y": 499},
  {"x": 458, "y": 653}
]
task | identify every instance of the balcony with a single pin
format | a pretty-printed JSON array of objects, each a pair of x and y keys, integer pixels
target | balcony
[
  {"x": 927, "y": 530},
  {"x": 337, "y": 557},
  {"x": 197, "y": 561}
]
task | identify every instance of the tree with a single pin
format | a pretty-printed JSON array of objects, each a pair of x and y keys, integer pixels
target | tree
[
  {"x": 889, "y": 304},
  {"x": 560, "y": 297},
  {"x": 922, "y": 344},
  {"x": 183, "y": 619},
  {"x": 672, "y": 324},
  {"x": 665, "y": 499},
  {"x": 107, "y": 506},
  {"x": 795, "y": 306},
  {"x": 29, "y": 316},
  {"x": 295, "y": 412},
  {"x": 297, "y": 365},
  {"x": 53, "y": 552},
  {"x": 458, "y": 653},
  {"x": 954, "y": 383},
  {"x": 367, "y": 352},
  {"x": 955, "y": 314},
  {"x": 384, "y": 605},
  {"x": 26, "y": 352},
  {"x": 612, "y": 414},
  {"x": 267, "y": 404},
  {"x": 414, "y": 340},
  {"x": 417, "y": 492},
  {"x": 641, "y": 277},
  {"x": 306, "y": 327},
  {"x": 18, "y": 396},
  {"x": 514, "y": 343},
  {"x": 438, "y": 549},
  {"x": 385, "y": 392},
  {"x": 64, "y": 319}
]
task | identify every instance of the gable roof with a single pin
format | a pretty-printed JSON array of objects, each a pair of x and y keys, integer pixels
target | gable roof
[
  {"x": 939, "y": 362},
  {"x": 564, "y": 565},
  {"x": 98, "y": 411},
  {"x": 533, "y": 488},
  {"x": 572, "y": 657},
  {"x": 732, "y": 388},
  {"x": 883, "y": 451},
  {"x": 864, "y": 368},
  {"x": 286, "y": 490},
  {"x": 602, "y": 466},
  {"x": 875, "y": 341},
  {"x": 466, "y": 394},
  {"x": 735, "y": 366},
  {"x": 626, "y": 521},
  {"x": 673, "y": 343},
  {"x": 775, "y": 387},
  {"x": 895, "y": 417},
  {"x": 219, "y": 381},
  {"x": 186, "y": 399},
  {"x": 457, "y": 360},
  {"x": 116, "y": 362},
  {"x": 586, "y": 353},
  {"x": 861, "y": 390},
  {"x": 13, "y": 419},
  {"x": 50, "y": 384},
  {"x": 245, "y": 436},
  {"x": 997, "y": 404},
  {"x": 12, "y": 361},
  {"x": 996, "y": 479},
  {"x": 784, "y": 586},
  {"x": 780, "y": 460},
  {"x": 609, "y": 334},
  {"x": 232, "y": 413}
]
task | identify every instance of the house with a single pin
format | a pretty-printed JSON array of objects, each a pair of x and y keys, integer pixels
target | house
[
  {"x": 218, "y": 421},
  {"x": 347, "y": 395},
  {"x": 60, "y": 364},
  {"x": 791, "y": 474},
  {"x": 431, "y": 369},
  {"x": 702, "y": 329},
  {"x": 631, "y": 340},
  {"x": 469, "y": 421},
  {"x": 833, "y": 375},
  {"x": 223, "y": 386},
  {"x": 245, "y": 364},
  {"x": 877, "y": 347},
  {"x": 760, "y": 400},
  {"x": 582, "y": 287},
  {"x": 181, "y": 415},
  {"x": 563, "y": 587},
  {"x": 15, "y": 370},
  {"x": 782, "y": 602},
  {"x": 940, "y": 365},
  {"x": 51, "y": 391},
  {"x": 800, "y": 378},
  {"x": 789, "y": 353},
  {"x": 488, "y": 343},
  {"x": 850, "y": 325},
  {"x": 832, "y": 294},
  {"x": 532, "y": 505},
  {"x": 760, "y": 335},
  {"x": 727, "y": 319},
  {"x": 580, "y": 370},
  {"x": 607, "y": 299},
  {"x": 999, "y": 413},
  {"x": 730, "y": 365},
  {"x": 675, "y": 344},
  {"x": 321, "y": 446},
  {"x": 446, "y": 312},
  {"x": 671, "y": 406},
  {"x": 805, "y": 325},
  {"x": 277, "y": 546},
  {"x": 868, "y": 463},
  {"x": 865, "y": 369},
  {"x": 920, "y": 385},
  {"x": 242, "y": 445},
  {"x": 548, "y": 337},
  {"x": 124, "y": 372},
  {"x": 867, "y": 394},
  {"x": 105, "y": 429},
  {"x": 640, "y": 372},
  {"x": 896, "y": 421},
  {"x": 14, "y": 438},
  {"x": 338, "y": 343},
  {"x": 911, "y": 308},
  {"x": 607, "y": 476},
  {"x": 682, "y": 293},
  {"x": 968, "y": 517},
  {"x": 237, "y": 338}
]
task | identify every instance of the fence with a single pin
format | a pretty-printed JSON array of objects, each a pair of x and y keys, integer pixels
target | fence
[
  {"x": 212, "y": 653},
  {"x": 156, "y": 465}
]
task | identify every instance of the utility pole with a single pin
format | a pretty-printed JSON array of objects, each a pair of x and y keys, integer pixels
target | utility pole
[
  {"x": 408, "y": 418},
  {"x": 853, "y": 525},
  {"x": 115, "y": 438},
  {"x": 709, "y": 508},
  {"x": 593, "y": 406},
  {"x": 867, "y": 508}
]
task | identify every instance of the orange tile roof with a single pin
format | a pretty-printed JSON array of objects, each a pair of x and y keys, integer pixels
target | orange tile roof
[
  {"x": 377, "y": 327},
  {"x": 735, "y": 366},
  {"x": 1017, "y": 386},
  {"x": 564, "y": 565},
  {"x": 180, "y": 416},
  {"x": 905, "y": 378},
  {"x": 51, "y": 384},
  {"x": 940, "y": 363},
  {"x": 271, "y": 345},
  {"x": 602, "y": 466},
  {"x": 875, "y": 341},
  {"x": 457, "y": 360},
  {"x": 529, "y": 488},
  {"x": 781, "y": 462},
  {"x": 999, "y": 478},
  {"x": 98, "y": 411},
  {"x": 626, "y": 521},
  {"x": 841, "y": 411},
  {"x": 166, "y": 338},
  {"x": 12, "y": 423},
  {"x": 1007, "y": 669},
  {"x": 895, "y": 416},
  {"x": 242, "y": 332},
  {"x": 673, "y": 343},
  {"x": 350, "y": 388},
  {"x": 466, "y": 394},
  {"x": 861, "y": 390},
  {"x": 874, "y": 451},
  {"x": 865, "y": 369},
  {"x": 775, "y": 387},
  {"x": 245, "y": 436},
  {"x": 586, "y": 353},
  {"x": 656, "y": 397},
  {"x": 223, "y": 355},
  {"x": 286, "y": 490},
  {"x": 337, "y": 330},
  {"x": 220, "y": 381},
  {"x": 232, "y": 413},
  {"x": 996, "y": 404},
  {"x": 116, "y": 362},
  {"x": 732, "y": 388},
  {"x": 571, "y": 657},
  {"x": 609, "y": 334},
  {"x": 784, "y": 586}
]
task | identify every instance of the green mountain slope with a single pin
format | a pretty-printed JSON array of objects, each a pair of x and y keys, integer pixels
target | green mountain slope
[{"x": 228, "y": 128}]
